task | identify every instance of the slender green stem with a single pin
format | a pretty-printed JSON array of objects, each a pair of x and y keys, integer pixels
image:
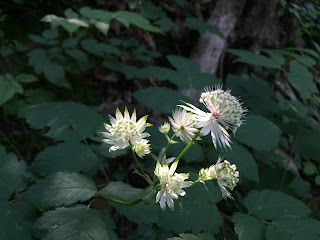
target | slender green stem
[
  {"x": 140, "y": 168},
  {"x": 168, "y": 144},
  {"x": 187, "y": 147}
]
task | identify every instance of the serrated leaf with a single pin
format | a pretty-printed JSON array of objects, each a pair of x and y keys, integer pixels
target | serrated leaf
[
  {"x": 169, "y": 98},
  {"x": 61, "y": 189},
  {"x": 189, "y": 236},
  {"x": 128, "y": 18},
  {"x": 248, "y": 227},
  {"x": 13, "y": 174},
  {"x": 201, "y": 26},
  {"x": 255, "y": 59},
  {"x": 269, "y": 204},
  {"x": 121, "y": 191},
  {"x": 293, "y": 229},
  {"x": 307, "y": 144},
  {"x": 26, "y": 78},
  {"x": 16, "y": 220},
  {"x": 67, "y": 120},
  {"x": 258, "y": 133},
  {"x": 77, "y": 222},
  {"x": 301, "y": 79},
  {"x": 8, "y": 88},
  {"x": 67, "y": 156}
]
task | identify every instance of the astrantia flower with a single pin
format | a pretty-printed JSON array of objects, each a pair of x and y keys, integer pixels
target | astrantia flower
[
  {"x": 225, "y": 112},
  {"x": 183, "y": 123},
  {"x": 171, "y": 184},
  {"x": 142, "y": 148},
  {"x": 206, "y": 174},
  {"x": 227, "y": 177},
  {"x": 165, "y": 128},
  {"x": 124, "y": 129}
]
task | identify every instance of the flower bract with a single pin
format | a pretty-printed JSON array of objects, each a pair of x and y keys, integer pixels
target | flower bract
[
  {"x": 171, "y": 184},
  {"x": 124, "y": 129},
  {"x": 142, "y": 148},
  {"x": 183, "y": 124},
  {"x": 225, "y": 112}
]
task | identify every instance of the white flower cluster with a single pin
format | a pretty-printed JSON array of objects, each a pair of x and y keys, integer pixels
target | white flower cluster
[
  {"x": 125, "y": 130},
  {"x": 225, "y": 112},
  {"x": 225, "y": 173},
  {"x": 171, "y": 184}
]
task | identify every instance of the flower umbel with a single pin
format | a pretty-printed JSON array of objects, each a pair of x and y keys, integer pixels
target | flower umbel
[
  {"x": 165, "y": 128},
  {"x": 171, "y": 184},
  {"x": 225, "y": 112},
  {"x": 124, "y": 129},
  {"x": 227, "y": 177},
  {"x": 183, "y": 124},
  {"x": 142, "y": 148}
]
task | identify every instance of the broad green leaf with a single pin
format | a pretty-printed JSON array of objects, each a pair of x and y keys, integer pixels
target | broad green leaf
[
  {"x": 13, "y": 174},
  {"x": 269, "y": 204},
  {"x": 248, "y": 227},
  {"x": 184, "y": 65},
  {"x": 78, "y": 55},
  {"x": 102, "y": 15},
  {"x": 189, "y": 236},
  {"x": 71, "y": 24},
  {"x": 38, "y": 59},
  {"x": 255, "y": 59},
  {"x": 294, "y": 229},
  {"x": 77, "y": 222},
  {"x": 258, "y": 133},
  {"x": 67, "y": 156},
  {"x": 244, "y": 161},
  {"x": 128, "y": 18},
  {"x": 201, "y": 26},
  {"x": 61, "y": 189},
  {"x": 307, "y": 144},
  {"x": 301, "y": 79},
  {"x": 98, "y": 48},
  {"x": 150, "y": 97},
  {"x": 8, "y": 88},
  {"x": 55, "y": 74},
  {"x": 121, "y": 191},
  {"x": 26, "y": 78},
  {"x": 16, "y": 220},
  {"x": 70, "y": 42},
  {"x": 37, "y": 39},
  {"x": 305, "y": 60},
  {"x": 50, "y": 34},
  {"x": 165, "y": 24},
  {"x": 67, "y": 120}
]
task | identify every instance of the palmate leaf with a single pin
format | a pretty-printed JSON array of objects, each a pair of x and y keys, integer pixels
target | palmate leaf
[
  {"x": 258, "y": 133},
  {"x": 13, "y": 174},
  {"x": 68, "y": 156},
  {"x": 294, "y": 229},
  {"x": 61, "y": 189},
  {"x": 16, "y": 220},
  {"x": 67, "y": 120},
  {"x": 248, "y": 227},
  {"x": 75, "y": 223},
  {"x": 269, "y": 204}
]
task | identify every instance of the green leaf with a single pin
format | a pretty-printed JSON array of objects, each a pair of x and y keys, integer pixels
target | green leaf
[
  {"x": 70, "y": 42},
  {"x": 77, "y": 222},
  {"x": 248, "y": 227},
  {"x": 255, "y": 59},
  {"x": 26, "y": 78},
  {"x": 301, "y": 79},
  {"x": 189, "y": 236},
  {"x": 78, "y": 55},
  {"x": 269, "y": 204},
  {"x": 317, "y": 180},
  {"x": 102, "y": 15},
  {"x": 98, "y": 48},
  {"x": 259, "y": 133},
  {"x": 67, "y": 156},
  {"x": 201, "y": 26},
  {"x": 13, "y": 174},
  {"x": 38, "y": 59},
  {"x": 67, "y": 120},
  {"x": 128, "y": 18},
  {"x": 293, "y": 229},
  {"x": 309, "y": 168},
  {"x": 306, "y": 144},
  {"x": 71, "y": 25},
  {"x": 169, "y": 98},
  {"x": 8, "y": 88},
  {"x": 244, "y": 161},
  {"x": 61, "y": 189},
  {"x": 55, "y": 74},
  {"x": 121, "y": 191},
  {"x": 50, "y": 34},
  {"x": 16, "y": 220}
]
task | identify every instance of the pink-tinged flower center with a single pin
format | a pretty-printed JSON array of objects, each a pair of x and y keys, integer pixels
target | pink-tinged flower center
[{"x": 214, "y": 112}]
